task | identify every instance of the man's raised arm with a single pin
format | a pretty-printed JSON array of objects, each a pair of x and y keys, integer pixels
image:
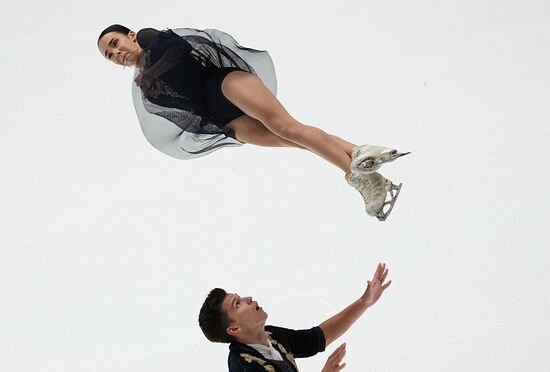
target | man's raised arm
[{"x": 337, "y": 325}]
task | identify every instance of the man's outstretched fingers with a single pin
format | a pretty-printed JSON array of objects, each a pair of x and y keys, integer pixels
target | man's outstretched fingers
[
  {"x": 384, "y": 275},
  {"x": 333, "y": 361},
  {"x": 377, "y": 272}
]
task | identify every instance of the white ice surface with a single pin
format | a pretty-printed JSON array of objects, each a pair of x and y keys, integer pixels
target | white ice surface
[{"x": 108, "y": 247}]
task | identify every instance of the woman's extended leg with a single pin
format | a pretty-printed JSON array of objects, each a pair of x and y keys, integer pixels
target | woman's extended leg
[
  {"x": 344, "y": 145},
  {"x": 249, "y": 130},
  {"x": 248, "y": 92}
]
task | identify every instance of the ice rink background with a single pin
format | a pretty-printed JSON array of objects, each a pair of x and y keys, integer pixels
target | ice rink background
[{"x": 108, "y": 247}]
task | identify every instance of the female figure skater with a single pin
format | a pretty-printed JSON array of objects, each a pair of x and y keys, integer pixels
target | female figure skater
[{"x": 196, "y": 91}]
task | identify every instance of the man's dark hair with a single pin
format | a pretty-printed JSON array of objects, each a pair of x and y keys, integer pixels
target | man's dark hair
[
  {"x": 212, "y": 320},
  {"x": 113, "y": 28}
]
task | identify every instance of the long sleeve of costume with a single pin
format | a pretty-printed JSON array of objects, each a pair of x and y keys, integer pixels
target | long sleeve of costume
[
  {"x": 301, "y": 343},
  {"x": 172, "y": 51},
  {"x": 167, "y": 80}
]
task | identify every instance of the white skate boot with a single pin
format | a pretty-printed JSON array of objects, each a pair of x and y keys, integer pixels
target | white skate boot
[
  {"x": 374, "y": 188},
  {"x": 367, "y": 159}
]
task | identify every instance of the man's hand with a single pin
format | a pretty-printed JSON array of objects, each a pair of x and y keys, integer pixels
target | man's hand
[
  {"x": 336, "y": 325},
  {"x": 376, "y": 286},
  {"x": 333, "y": 361}
]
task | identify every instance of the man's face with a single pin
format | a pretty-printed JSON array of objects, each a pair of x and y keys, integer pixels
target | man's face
[
  {"x": 245, "y": 314},
  {"x": 119, "y": 48}
]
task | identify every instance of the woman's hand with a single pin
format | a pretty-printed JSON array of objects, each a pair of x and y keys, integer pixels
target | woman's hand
[{"x": 333, "y": 361}]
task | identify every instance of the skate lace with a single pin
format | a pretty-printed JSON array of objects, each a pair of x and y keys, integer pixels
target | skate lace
[{"x": 365, "y": 188}]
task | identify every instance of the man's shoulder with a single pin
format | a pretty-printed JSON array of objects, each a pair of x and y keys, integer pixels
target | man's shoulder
[
  {"x": 276, "y": 329},
  {"x": 301, "y": 342}
]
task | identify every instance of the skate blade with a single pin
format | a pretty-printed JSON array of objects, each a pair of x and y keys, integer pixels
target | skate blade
[
  {"x": 393, "y": 157},
  {"x": 381, "y": 215}
]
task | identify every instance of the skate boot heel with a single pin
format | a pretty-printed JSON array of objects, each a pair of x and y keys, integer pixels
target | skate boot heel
[{"x": 374, "y": 189}]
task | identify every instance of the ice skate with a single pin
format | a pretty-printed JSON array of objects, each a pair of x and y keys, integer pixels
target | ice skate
[
  {"x": 367, "y": 159},
  {"x": 374, "y": 188}
]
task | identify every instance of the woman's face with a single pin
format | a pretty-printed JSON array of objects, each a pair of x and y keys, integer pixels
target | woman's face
[{"x": 119, "y": 48}]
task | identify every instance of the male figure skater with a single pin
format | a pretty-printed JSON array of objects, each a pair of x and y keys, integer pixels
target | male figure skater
[{"x": 254, "y": 347}]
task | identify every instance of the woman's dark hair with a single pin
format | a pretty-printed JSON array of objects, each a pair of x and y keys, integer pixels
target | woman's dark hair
[
  {"x": 212, "y": 320},
  {"x": 113, "y": 28}
]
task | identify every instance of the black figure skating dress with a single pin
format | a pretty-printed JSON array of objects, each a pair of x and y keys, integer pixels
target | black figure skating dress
[{"x": 177, "y": 88}]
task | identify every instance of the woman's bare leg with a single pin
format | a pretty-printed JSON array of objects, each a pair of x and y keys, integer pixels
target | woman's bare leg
[
  {"x": 247, "y": 91},
  {"x": 249, "y": 130},
  {"x": 344, "y": 145}
]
